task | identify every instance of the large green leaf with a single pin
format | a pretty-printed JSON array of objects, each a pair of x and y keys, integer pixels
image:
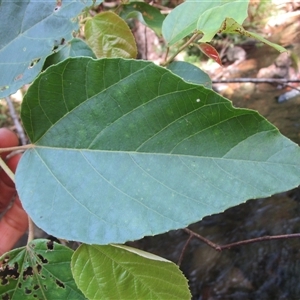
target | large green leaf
[
  {"x": 120, "y": 272},
  {"x": 41, "y": 270},
  {"x": 125, "y": 148},
  {"x": 30, "y": 31},
  {"x": 145, "y": 13},
  {"x": 204, "y": 16},
  {"x": 109, "y": 36}
]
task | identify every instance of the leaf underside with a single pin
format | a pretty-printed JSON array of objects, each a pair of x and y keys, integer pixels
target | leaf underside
[
  {"x": 124, "y": 149},
  {"x": 30, "y": 31}
]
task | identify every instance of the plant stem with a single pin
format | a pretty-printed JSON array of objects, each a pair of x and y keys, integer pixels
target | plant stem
[
  {"x": 193, "y": 38},
  {"x": 261, "y": 239},
  {"x": 240, "y": 243},
  {"x": 30, "y": 230},
  {"x": 203, "y": 239},
  {"x": 23, "y": 147},
  {"x": 183, "y": 250},
  {"x": 7, "y": 170},
  {"x": 15, "y": 118}
]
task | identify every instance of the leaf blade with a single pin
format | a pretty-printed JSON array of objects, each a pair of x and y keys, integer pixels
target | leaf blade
[
  {"x": 36, "y": 29},
  {"x": 113, "y": 272},
  {"x": 147, "y": 158},
  {"x": 207, "y": 17},
  {"x": 190, "y": 73},
  {"x": 145, "y": 13},
  {"x": 109, "y": 36},
  {"x": 39, "y": 271}
]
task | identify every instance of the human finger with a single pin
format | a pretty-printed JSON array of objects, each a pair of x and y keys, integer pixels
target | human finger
[{"x": 12, "y": 226}]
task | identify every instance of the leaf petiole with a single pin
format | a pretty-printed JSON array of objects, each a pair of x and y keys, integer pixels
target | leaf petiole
[
  {"x": 23, "y": 147},
  {"x": 7, "y": 170}
]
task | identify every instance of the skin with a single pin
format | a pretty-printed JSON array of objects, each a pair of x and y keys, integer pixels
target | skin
[{"x": 14, "y": 223}]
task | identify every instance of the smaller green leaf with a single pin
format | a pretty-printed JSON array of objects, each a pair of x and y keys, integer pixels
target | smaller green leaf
[
  {"x": 109, "y": 36},
  {"x": 145, "y": 13},
  {"x": 231, "y": 26},
  {"x": 190, "y": 73},
  {"x": 76, "y": 47},
  {"x": 202, "y": 16},
  {"x": 210, "y": 22},
  {"x": 120, "y": 272},
  {"x": 41, "y": 270}
]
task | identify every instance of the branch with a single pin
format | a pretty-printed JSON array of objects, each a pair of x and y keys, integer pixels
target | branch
[
  {"x": 261, "y": 239},
  {"x": 256, "y": 80},
  {"x": 203, "y": 239},
  {"x": 15, "y": 118},
  {"x": 240, "y": 243},
  {"x": 183, "y": 250},
  {"x": 192, "y": 39}
]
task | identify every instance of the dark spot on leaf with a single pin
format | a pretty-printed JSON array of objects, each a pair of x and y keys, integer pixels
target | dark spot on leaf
[
  {"x": 50, "y": 245},
  {"x": 34, "y": 62},
  {"x": 27, "y": 272},
  {"x": 5, "y": 297},
  {"x": 18, "y": 77},
  {"x": 27, "y": 291},
  {"x": 54, "y": 48},
  {"x": 45, "y": 287},
  {"x": 43, "y": 260},
  {"x": 9, "y": 272},
  {"x": 6, "y": 259},
  {"x": 58, "y": 5},
  {"x": 19, "y": 285},
  {"x": 36, "y": 287},
  {"x": 39, "y": 268},
  {"x": 59, "y": 283},
  {"x": 3, "y": 88}
]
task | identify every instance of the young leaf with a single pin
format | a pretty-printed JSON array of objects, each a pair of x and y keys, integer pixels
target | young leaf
[
  {"x": 230, "y": 26},
  {"x": 41, "y": 270},
  {"x": 204, "y": 16},
  {"x": 190, "y": 73},
  {"x": 145, "y": 13},
  {"x": 118, "y": 272},
  {"x": 30, "y": 31},
  {"x": 109, "y": 36},
  {"x": 211, "y": 52},
  {"x": 125, "y": 148}
]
